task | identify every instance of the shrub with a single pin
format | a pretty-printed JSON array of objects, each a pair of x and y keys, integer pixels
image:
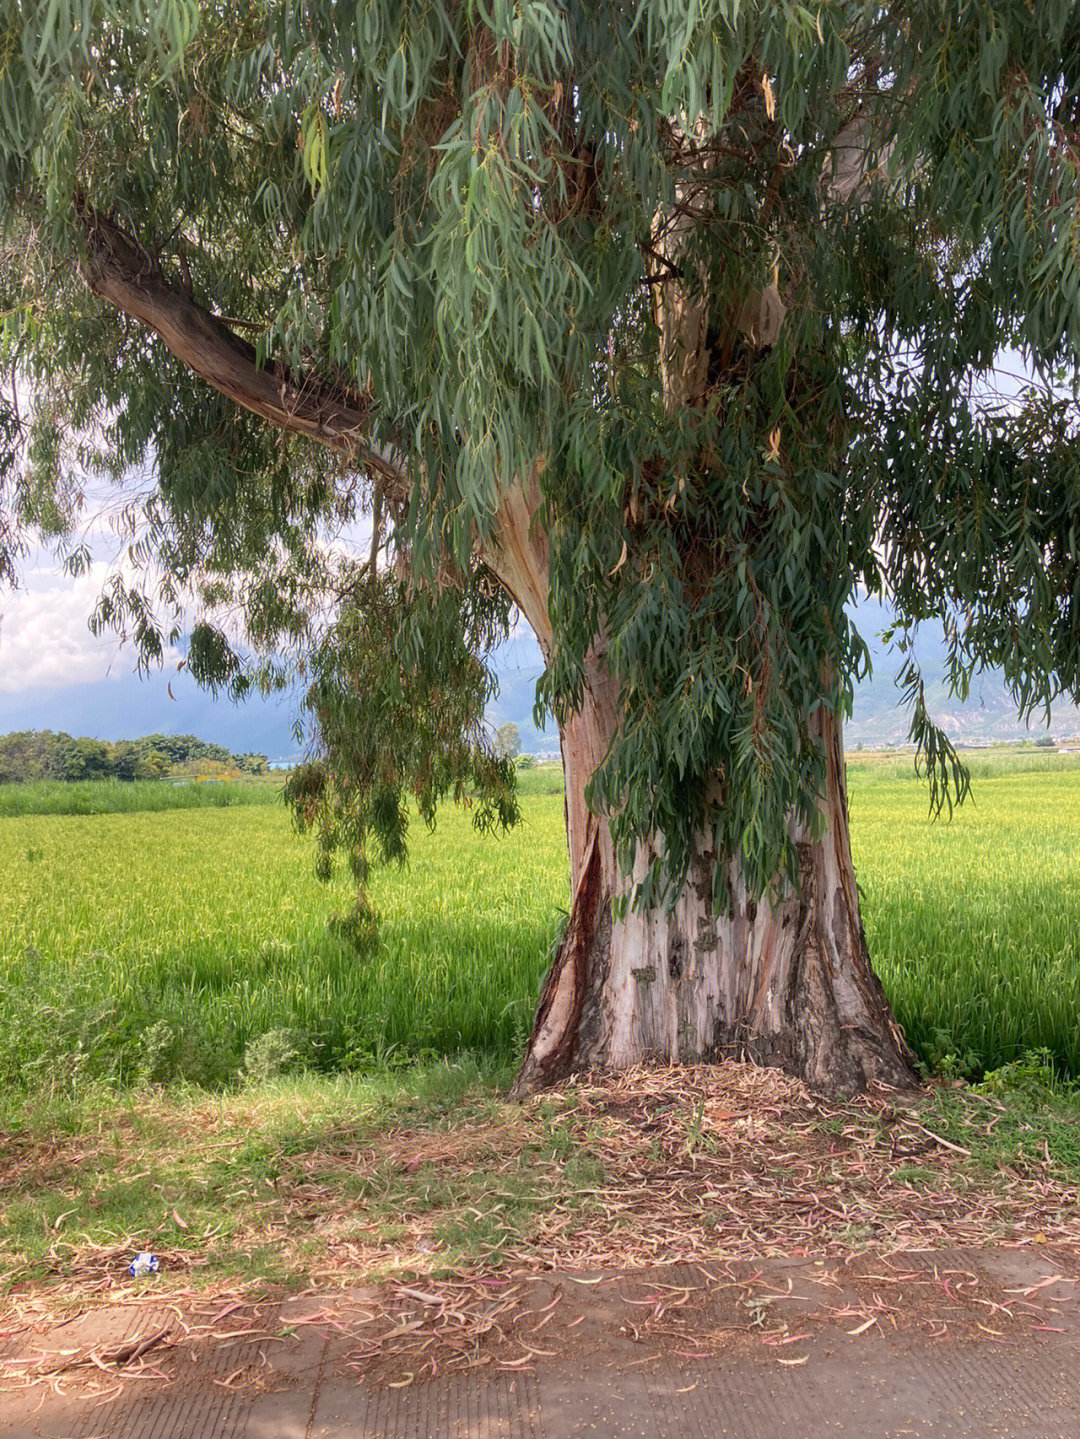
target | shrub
[{"x": 278, "y": 1051}]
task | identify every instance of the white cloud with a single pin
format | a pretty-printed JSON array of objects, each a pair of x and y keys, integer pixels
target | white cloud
[{"x": 45, "y": 641}]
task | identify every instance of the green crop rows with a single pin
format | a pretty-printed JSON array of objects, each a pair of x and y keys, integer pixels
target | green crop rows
[
  {"x": 114, "y": 797},
  {"x": 158, "y": 945},
  {"x": 974, "y": 924}
]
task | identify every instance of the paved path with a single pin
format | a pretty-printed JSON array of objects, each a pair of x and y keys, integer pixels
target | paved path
[{"x": 976, "y": 1343}]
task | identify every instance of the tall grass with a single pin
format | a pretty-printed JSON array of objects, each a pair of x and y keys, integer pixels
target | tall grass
[
  {"x": 155, "y": 946},
  {"x": 112, "y": 796},
  {"x": 546, "y": 778},
  {"x": 161, "y": 945},
  {"x": 990, "y": 763},
  {"x": 974, "y": 922}
]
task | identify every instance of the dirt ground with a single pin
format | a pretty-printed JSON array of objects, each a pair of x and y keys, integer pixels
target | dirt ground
[{"x": 709, "y": 1251}]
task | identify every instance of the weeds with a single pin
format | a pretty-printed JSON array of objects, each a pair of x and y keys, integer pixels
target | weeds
[
  {"x": 331, "y": 1180},
  {"x": 974, "y": 924}
]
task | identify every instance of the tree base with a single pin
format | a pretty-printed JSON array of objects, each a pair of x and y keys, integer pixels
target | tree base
[
  {"x": 770, "y": 988},
  {"x": 784, "y": 982}
]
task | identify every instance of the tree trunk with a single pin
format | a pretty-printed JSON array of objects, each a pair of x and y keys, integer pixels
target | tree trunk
[{"x": 786, "y": 982}]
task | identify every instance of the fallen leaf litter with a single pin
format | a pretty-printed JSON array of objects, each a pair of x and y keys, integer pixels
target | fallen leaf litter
[{"x": 711, "y": 1167}]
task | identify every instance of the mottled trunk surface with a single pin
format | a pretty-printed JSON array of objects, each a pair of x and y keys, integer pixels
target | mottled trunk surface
[{"x": 786, "y": 983}]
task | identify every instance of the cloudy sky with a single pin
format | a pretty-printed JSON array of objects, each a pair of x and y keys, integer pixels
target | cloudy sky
[
  {"x": 55, "y": 674},
  {"x": 45, "y": 643}
]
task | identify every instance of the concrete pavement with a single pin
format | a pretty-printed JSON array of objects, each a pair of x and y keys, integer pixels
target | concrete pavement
[{"x": 964, "y": 1344}]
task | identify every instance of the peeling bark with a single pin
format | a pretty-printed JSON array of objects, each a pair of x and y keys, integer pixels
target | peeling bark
[
  {"x": 681, "y": 298},
  {"x": 785, "y": 980}
]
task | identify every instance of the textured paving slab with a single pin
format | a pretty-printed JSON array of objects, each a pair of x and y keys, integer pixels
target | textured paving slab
[
  {"x": 504, "y": 1407},
  {"x": 961, "y": 1393},
  {"x": 972, "y": 1345}
]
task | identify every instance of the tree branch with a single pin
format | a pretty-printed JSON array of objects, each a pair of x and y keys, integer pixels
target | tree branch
[{"x": 120, "y": 272}]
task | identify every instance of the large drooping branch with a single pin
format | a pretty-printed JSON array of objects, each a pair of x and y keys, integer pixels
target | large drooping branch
[{"x": 120, "y": 272}]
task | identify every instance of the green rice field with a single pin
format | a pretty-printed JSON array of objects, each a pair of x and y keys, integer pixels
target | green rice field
[
  {"x": 145, "y": 944},
  {"x": 110, "y": 796}
]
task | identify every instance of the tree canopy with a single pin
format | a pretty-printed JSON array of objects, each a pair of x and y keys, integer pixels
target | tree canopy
[
  {"x": 508, "y": 740},
  {"x": 715, "y": 289},
  {"x": 29, "y": 755}
]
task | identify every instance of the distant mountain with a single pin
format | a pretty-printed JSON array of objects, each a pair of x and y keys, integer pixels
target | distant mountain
[
  {"x": 519, "y": 664},
  {"x": 988, "y": 714}
]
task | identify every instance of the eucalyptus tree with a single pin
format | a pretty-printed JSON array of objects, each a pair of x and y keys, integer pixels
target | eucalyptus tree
[{"x": 670, "y": 323}]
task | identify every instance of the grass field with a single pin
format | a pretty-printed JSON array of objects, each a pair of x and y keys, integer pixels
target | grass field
[
  {"x": 115, "y": 797},
  {"x": 974, "y": 923},
  {"x": 195, "y": 946},
  {"x": 150, "y": 945},
  {"x": 160, "y": 945}
]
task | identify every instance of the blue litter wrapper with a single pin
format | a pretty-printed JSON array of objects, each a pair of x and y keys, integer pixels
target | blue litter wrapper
[{"x": 144, "y": 1264}]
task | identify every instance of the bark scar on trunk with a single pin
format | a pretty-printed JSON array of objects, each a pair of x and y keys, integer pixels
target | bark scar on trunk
[{"x": 550, "y": 1053}]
